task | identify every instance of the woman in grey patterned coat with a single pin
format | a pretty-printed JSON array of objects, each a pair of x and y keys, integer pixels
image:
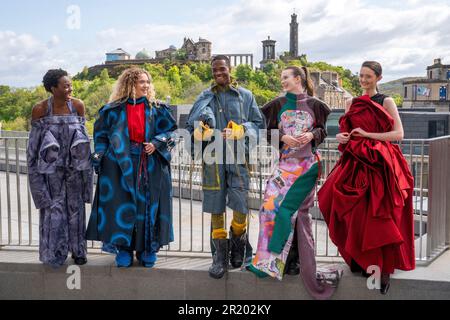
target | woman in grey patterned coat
[{"x": 60, "y": 172}]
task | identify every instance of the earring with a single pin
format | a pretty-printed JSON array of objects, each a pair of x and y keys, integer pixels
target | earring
[{"x": 134, "y": 97}]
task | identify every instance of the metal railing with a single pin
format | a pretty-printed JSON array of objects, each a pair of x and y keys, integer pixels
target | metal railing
[{"x": 428, "y": 161}]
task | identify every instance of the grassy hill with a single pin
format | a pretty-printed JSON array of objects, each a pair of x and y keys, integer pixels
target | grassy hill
[{"x": 395, "y": 87}]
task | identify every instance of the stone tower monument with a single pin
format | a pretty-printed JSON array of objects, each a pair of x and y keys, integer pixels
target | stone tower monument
[
  {"x": 268, "y": 51},
  {"x": 293, "y": 44}
]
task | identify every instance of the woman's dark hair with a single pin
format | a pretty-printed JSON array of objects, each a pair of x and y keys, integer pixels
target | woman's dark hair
[
  {"x": 304, "y": 74},
  {"x": 374, "y": 66},
  {"x": 52, "y": 77}
]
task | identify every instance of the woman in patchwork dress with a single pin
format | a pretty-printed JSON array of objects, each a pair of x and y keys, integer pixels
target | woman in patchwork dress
[{"x": 285, "y": 223}]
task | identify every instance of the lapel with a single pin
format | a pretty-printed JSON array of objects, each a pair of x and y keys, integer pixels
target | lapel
[
  {"x": 121, "y": 145},
  {"x": 149, "y": 124},
  {"x": 152, "y": 160}
]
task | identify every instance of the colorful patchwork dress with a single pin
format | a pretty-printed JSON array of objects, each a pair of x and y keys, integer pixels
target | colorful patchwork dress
[{"x": 290, "y": 191}]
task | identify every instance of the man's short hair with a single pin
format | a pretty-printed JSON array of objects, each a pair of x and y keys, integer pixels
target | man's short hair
[{"x": 221, "y": 57}]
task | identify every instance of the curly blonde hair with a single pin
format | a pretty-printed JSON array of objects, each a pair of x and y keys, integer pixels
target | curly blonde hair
[{"x": 125, "y": 86}]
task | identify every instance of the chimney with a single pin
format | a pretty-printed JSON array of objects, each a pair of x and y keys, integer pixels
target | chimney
[
  {"x": 437, "y": 61},
  {"x": 326, "y": 76},
  {"x": 315, "y": 78}
]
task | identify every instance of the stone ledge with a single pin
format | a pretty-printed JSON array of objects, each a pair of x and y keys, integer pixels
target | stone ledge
[{"x": 187, "y": 278}]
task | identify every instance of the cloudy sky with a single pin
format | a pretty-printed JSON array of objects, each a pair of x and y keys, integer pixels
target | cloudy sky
[{"x": 405, "y": 36}]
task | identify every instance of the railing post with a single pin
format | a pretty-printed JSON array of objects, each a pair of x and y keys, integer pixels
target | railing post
[
  {"x": 438, "y": 224},
  {"x": 446, "y": 145}
]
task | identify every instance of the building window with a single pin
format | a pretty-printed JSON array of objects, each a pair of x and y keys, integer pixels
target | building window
[
  {"x": 203, "y": 50},
  {"x": 443, "y": 93},
  {"x": 431, "y": 74},
  {"x": 436, "y": 128},
  {"x": 406, "y": 92}
]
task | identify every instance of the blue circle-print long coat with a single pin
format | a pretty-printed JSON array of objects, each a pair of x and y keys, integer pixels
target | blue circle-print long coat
[{"x": 117, "y": 199}]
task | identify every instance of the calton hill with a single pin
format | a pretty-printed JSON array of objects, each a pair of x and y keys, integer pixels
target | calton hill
[{"x": 180, "y": 81}]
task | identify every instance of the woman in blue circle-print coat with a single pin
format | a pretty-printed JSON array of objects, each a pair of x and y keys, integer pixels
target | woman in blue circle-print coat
[{"x": 133, "y": 136}]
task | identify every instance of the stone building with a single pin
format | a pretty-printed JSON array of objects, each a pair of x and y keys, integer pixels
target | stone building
[
  {"x": 166, "y": 53},
  {"x": 195, "y": 51},
  {"x": 237, "y": 59},
  {"x": 201, "y": 50},
  {"x": 431, "y": 92},
  {"x": 328, "y": 88},
  {"x": 117, "y": 55}
]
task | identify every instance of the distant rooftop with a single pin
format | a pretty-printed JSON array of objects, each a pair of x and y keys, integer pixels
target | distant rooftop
[{"x": 118, "y": 51}]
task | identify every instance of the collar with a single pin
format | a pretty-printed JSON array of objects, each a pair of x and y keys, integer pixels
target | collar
[
  {"x": 295, "y": 97},
  {"x": 234, "y": 86},
  {"x": 138, "y": 101}
]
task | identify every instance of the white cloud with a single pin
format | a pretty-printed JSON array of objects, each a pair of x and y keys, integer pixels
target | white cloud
[{"x": 53, "y": 42}]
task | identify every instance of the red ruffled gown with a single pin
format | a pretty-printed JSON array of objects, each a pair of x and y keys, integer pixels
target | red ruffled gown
[{"x": 367, "y": 198}]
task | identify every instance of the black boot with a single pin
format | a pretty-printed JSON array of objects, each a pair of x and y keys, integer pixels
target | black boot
[
  {"x": 237, "y": 249},
  {"x": 292, "y": 267},
  {"x": 220, "y": 258},
  {"x": 385, "y": 283},
  {"x": 79, "y": 260},
  {"x": 356, "y": 268}
]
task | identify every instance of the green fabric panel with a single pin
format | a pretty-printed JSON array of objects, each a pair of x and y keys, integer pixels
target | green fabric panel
[
  {"x": 291, "y": 203},
  {"x": 257, "y": 272},
  {"x": 291, "y": 104}
]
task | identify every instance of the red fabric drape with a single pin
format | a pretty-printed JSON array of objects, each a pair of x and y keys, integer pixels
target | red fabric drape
[
  {"x": 136, "y": 122},
  {"x": 367, "y": 198}
]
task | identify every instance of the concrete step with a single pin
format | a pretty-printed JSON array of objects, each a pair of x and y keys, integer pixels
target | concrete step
[{"x": 22, "y": 276}]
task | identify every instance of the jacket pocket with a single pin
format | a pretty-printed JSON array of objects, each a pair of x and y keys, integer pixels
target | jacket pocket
[
  {"x": 48, "y": 154},
  {"x": 80, "y": 151}
]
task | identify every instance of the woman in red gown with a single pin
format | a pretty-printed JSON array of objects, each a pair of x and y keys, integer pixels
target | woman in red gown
[{"x": 367, "y": 198}]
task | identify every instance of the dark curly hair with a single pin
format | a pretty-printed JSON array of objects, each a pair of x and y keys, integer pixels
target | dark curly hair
[
  {"x": 221, "y": 57},
  {"x": 52, "y": 77}
]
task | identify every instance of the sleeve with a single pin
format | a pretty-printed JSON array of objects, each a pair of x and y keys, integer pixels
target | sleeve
[
  {"x": 255, "y": 119},
  {"x": 101, "y": 140},
  {"x": 87, "y": 177},
  {"x": 165, "y": 127},
  {"x": 270, "y": 112},
  {"x": 88, "y": 185},
  {"x": 321, "y": 112},
  {"x": 38, "y": 184},
  {"x": 201, "y": 111}
]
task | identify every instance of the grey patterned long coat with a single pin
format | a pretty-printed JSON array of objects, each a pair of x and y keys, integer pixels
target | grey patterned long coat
[{"x": 60, "y": 176}]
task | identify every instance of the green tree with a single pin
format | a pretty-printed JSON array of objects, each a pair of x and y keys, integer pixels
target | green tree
[
  {"x": 85, "y": 72},
  {"x": 398, "y": 99},
  {"x": 202, "y": 70},
  {"x": 173, "y": 75},
  {"x": 180, "y": 54},
  {"x": 104, "y": 76},
  {"x": 260, "y": 78},
  {"x": 163, "y": 89},
  {"x": 96, "y": 98},
  {"x": 156, "y": 70},
  {"x": 18, "y": 124},
  {"x": 270, "y": 68},
  {"x": 243, "y": 73},
  {"x": 187, "y": 78}
]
